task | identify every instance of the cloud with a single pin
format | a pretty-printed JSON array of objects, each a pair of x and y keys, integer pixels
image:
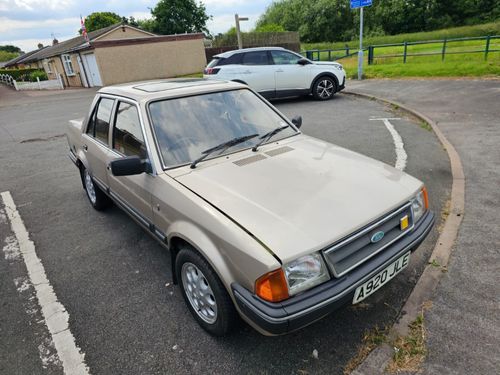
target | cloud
[
  {"x": 222, "y": 23},
  {"x": 28, "y": 45},
  {"x": 36, "y": 5},
  {"x": 7, "y": 24}
]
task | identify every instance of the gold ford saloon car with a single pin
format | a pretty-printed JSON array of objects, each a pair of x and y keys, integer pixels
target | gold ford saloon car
[{"x": 261, "y": 221}]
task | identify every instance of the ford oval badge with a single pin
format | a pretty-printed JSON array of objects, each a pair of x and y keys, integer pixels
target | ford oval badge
[{"x": 377, "y": 236}]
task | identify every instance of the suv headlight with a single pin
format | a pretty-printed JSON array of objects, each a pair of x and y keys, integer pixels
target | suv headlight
[
  {"x": 338, "y": 66},
  {"x": 305, "y": 272},
  {"x": 419, "y": 204}
]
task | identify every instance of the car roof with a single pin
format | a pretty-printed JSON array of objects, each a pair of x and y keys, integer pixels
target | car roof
[
  {"x": 233, "y": 52},
  {"x": 167, "y": 88}
]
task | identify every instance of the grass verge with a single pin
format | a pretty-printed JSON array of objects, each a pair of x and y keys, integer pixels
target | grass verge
[
  {"x": 370, "y": 341},
  {"x": 492, "y": 28},
  {"x": 410, "y": 350}
]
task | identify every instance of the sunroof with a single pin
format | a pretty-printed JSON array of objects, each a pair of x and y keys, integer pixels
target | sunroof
[{"x": 173, "y": 84}]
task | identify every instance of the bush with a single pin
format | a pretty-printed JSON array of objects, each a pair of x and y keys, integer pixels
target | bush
[
  {"x": 19, "y": 74},
  {"x": 40, "y": 74}
]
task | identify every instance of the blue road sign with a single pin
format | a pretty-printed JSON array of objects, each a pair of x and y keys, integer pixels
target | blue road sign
[{"x": 360, "y": 3}]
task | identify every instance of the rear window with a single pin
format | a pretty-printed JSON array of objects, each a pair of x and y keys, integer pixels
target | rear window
[{"x": 216, "y": 61}]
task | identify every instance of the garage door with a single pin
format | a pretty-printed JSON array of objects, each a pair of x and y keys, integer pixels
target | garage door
[{"x": 92, "y": 70}]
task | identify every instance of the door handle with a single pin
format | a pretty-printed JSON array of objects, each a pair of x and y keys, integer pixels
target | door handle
[
  {"x": 247, "y": 72},
  {"x": 279, "y": 71},
  {"x": 85, "y": 148}
]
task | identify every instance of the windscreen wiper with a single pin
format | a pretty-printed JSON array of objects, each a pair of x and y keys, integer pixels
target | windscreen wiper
[
  {"x": 268, "y": 135},
  {"x": 223, "y": 146}
]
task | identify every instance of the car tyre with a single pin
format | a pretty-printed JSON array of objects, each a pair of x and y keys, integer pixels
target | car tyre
[
  {"x": 204, "y": 293},
  {"x": 97, "y": 198},
  {"x": 324, "y": 88}
]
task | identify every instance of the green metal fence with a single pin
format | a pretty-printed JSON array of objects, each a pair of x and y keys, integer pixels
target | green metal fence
[{"x": 454, "y": 46}]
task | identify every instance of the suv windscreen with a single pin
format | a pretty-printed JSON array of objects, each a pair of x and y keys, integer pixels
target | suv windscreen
[{"x": 185, "y": 127}]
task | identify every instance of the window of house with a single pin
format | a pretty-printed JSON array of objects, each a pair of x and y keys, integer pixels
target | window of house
[
  {"x": 127, "y": 134},
  {"x": 68, "y": 65}
]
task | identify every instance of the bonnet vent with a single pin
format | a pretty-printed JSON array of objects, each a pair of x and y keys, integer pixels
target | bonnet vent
[
  {"x": 279, "y": 151},
  {"x": 250, "y": 160}
]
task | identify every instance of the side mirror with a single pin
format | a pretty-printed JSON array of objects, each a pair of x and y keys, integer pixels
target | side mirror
[
  {"x": 128, "y": 166},
  {"x": 303, "y": 61},
  {"x": 297, "y": 121}
]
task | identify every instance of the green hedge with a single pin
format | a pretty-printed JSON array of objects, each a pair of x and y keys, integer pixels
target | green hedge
[{"x": 27, "y": 75}]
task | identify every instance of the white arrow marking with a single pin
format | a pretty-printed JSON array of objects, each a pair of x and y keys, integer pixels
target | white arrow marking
[{"x": 401, "y": 156}]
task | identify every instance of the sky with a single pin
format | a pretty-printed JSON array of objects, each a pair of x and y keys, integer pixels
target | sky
[{"x": 25, "y": 23}]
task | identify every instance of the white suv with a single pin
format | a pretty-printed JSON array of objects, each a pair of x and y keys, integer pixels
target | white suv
[{"x": 276, "y": 72}]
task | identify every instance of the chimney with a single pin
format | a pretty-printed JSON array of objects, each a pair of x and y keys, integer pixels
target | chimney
[
  {"x": 40, "y": 45},
  {"x": 55, "y": 41}
]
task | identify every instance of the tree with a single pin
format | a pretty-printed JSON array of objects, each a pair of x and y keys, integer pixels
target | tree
[
  {"x": 269, "y": 28},
  {"x": 99, "y": 20},
  {"x": 11, "y": 48},
  {"x": 6, "y": 56},
  {"x": 178, "y": 17}
]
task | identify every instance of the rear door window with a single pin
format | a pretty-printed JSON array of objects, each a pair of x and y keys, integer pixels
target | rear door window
[{"x": 256, "y": 58}]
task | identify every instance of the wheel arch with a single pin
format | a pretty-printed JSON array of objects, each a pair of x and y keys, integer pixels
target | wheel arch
[
  {"x": 186, "y": 234},
  {"x": 325, "y": 74}
]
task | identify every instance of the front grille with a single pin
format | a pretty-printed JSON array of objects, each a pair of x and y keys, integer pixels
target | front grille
[{"x": 358, "y": 248}]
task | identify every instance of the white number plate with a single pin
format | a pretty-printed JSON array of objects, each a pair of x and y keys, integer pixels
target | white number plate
[{"x": 381, "y": 278}]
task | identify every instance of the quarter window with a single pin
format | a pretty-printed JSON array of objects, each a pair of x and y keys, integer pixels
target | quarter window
[
  {"x": 284, "y": 58},
  {"x": 68, "y": 65},
  {"x": 255, "y": 58},
  {"x": 99, "y": 122},
  {"x": 127, "y": 134}
]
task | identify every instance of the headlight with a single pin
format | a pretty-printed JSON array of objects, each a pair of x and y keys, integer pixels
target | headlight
[
  {"x": 419, "y": 204},
  {"x": 338, "y": 66},
  {"x": 305, "y": 272}
]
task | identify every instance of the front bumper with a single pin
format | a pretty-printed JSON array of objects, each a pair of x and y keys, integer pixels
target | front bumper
[{"x": 304, "y": 309}]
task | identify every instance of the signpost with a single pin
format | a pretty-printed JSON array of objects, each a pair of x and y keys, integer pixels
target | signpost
[{"x": 360, "y": 4}]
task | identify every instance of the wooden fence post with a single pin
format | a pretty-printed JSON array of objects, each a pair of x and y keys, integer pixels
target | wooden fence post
[
  {"x": 404, "y": 53},
  {"x": 443, "y": 52}
]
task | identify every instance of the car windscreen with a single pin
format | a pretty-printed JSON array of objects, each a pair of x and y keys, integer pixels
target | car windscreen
[{"x": 185, "y": 127}]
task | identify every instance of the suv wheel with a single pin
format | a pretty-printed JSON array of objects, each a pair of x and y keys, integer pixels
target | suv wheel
[
  {"x": 324, "y": 88},
  {"x": 206, "y": 297}
]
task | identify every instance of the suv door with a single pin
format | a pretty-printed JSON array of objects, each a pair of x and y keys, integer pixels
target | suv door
[
  {"x": 128, "y": 139},
  {"x": 96, "y": 141},
  {"x": 257, "y": 71},
  {"x": 290, "y": 75}
]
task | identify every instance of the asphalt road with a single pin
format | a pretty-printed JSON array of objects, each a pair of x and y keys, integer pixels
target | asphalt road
[
  {"x": 113, "y": 279},
  {"x": 464, "y": 323}
]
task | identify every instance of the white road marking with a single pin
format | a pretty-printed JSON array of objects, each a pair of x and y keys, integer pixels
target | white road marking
[
  {"x": 401, "y": 156},
  {"x": 54, "y": 313}
]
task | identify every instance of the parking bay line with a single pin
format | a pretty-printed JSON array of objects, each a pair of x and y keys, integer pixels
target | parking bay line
[
  {"x": 55, "y": 315},
  {"x": 401, "y": 156}
]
